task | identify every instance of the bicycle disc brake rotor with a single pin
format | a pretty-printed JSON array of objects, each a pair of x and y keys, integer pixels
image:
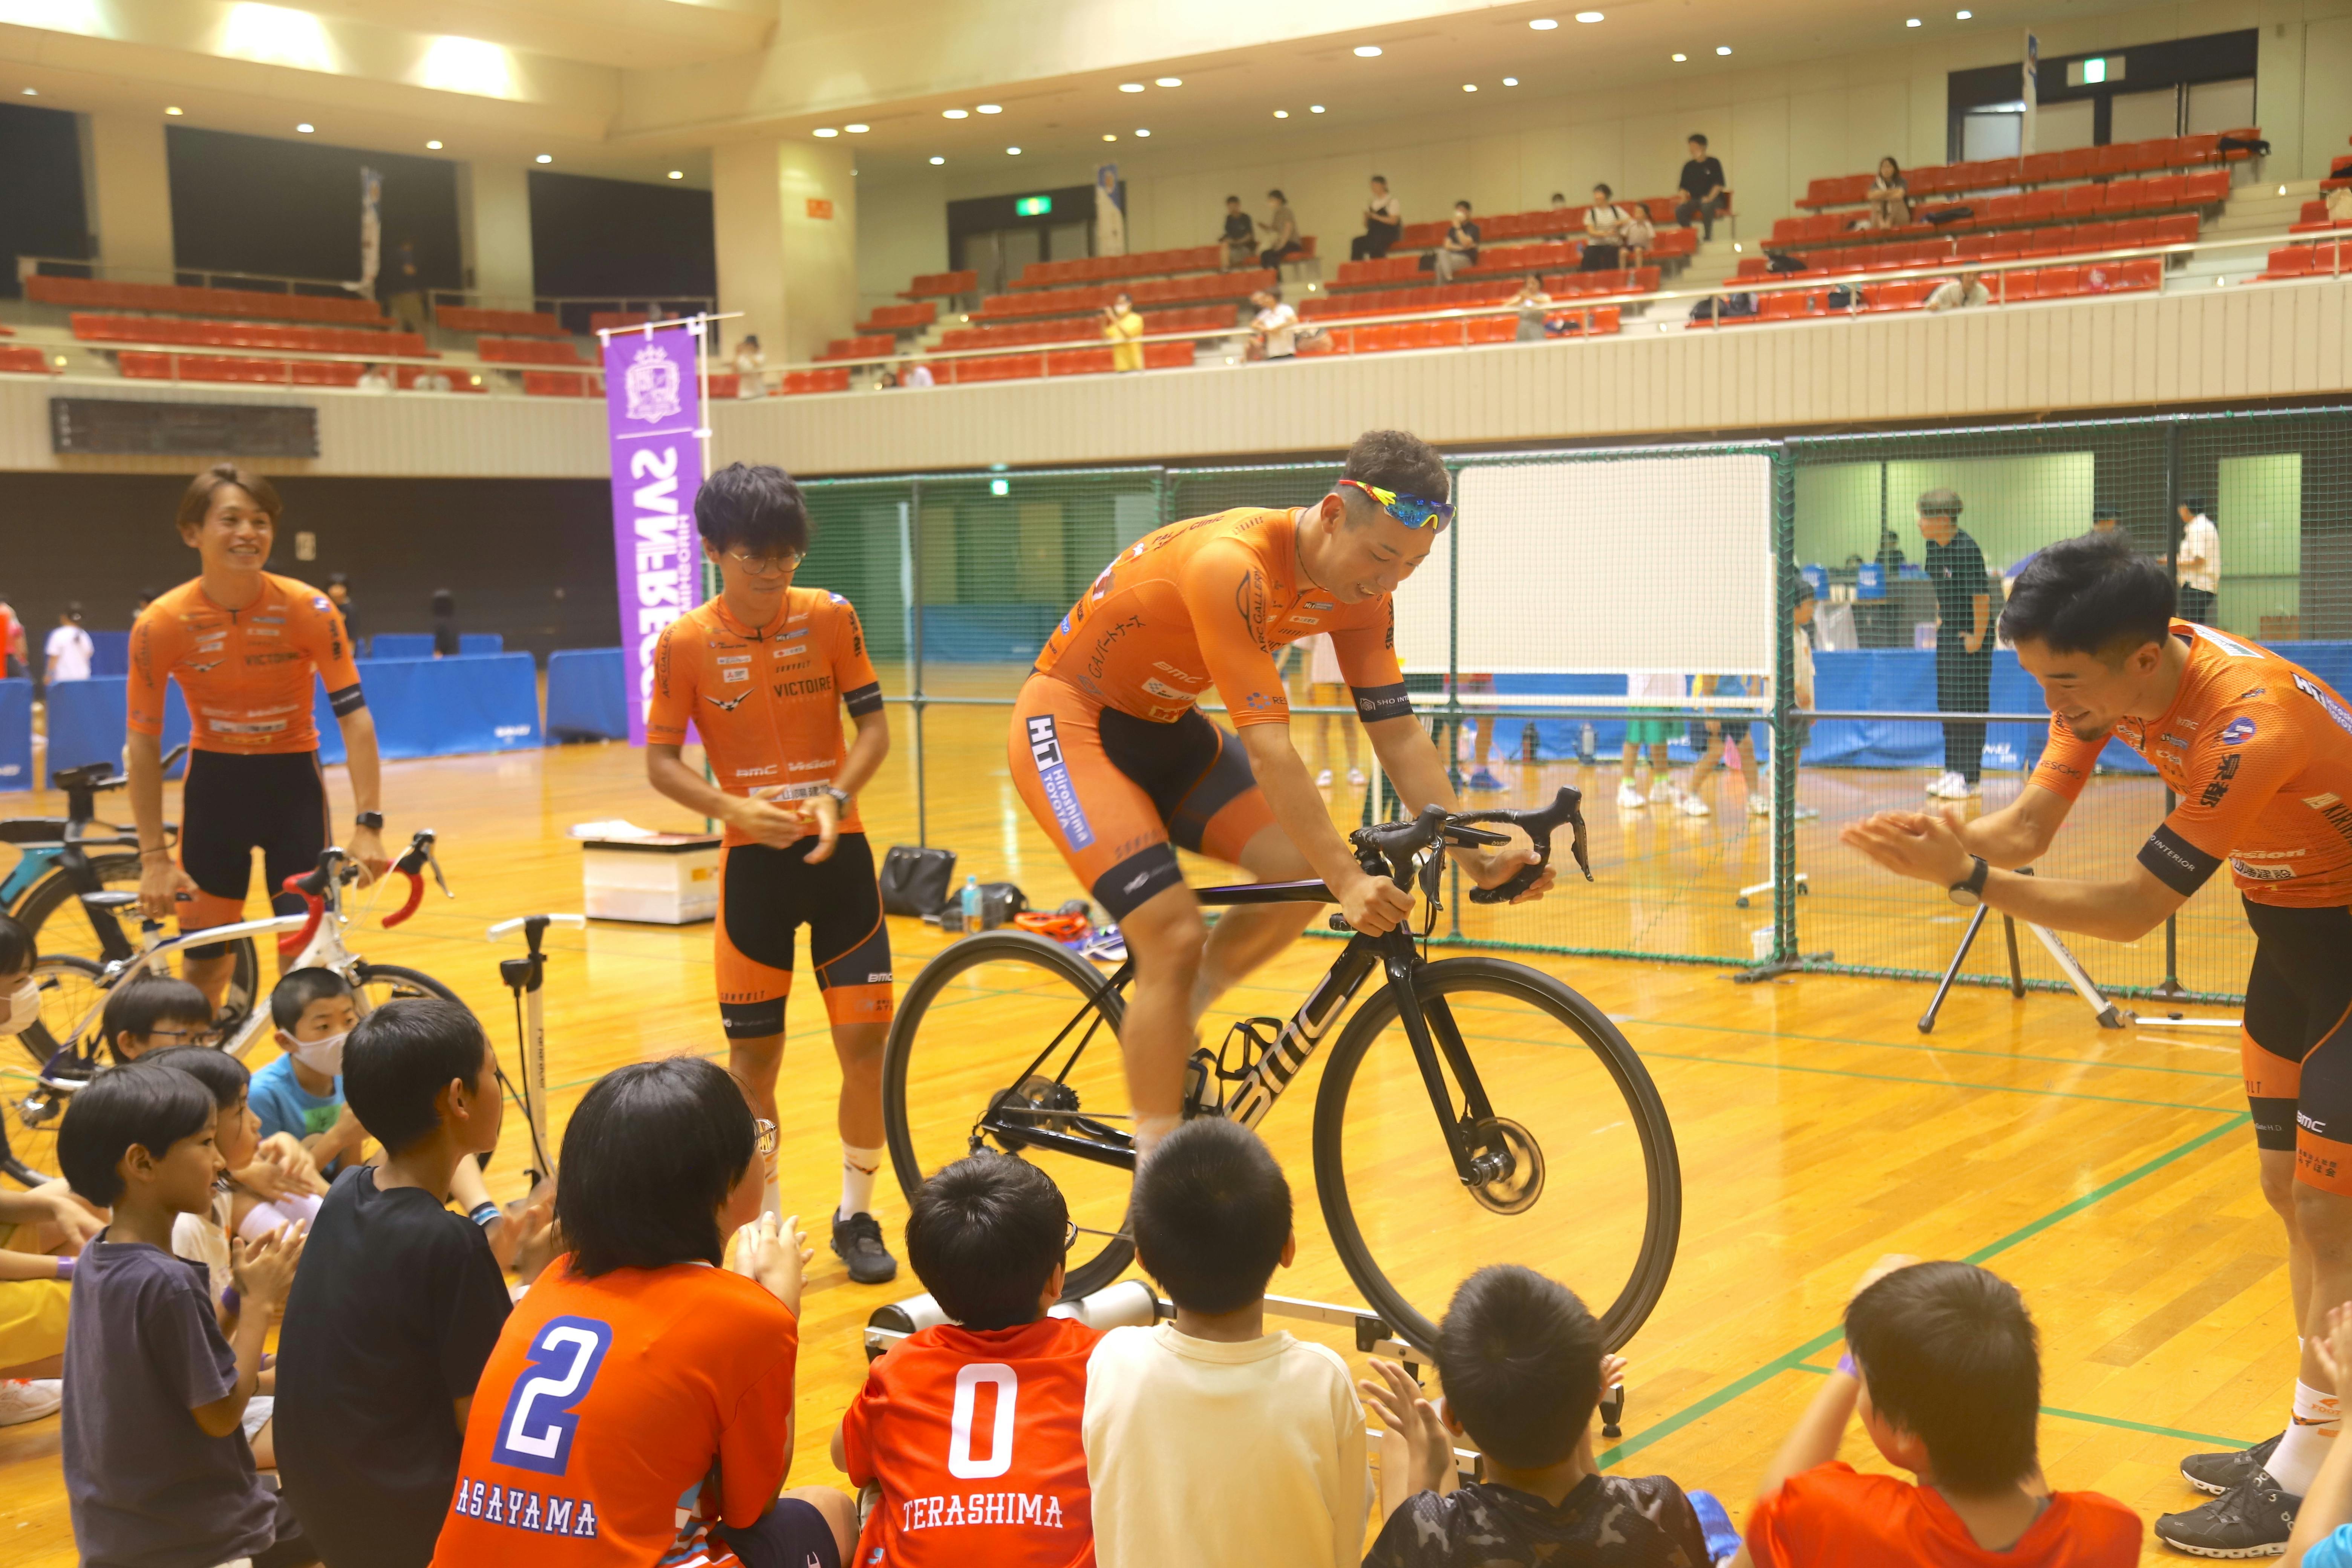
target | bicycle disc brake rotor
[{"x": 1515, "y": 1190}]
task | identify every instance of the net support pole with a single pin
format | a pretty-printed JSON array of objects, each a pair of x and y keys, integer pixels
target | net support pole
[
  {"x": 1784, "y": 701},
  {"x": 915, "y": 656},
  {"x": 1454, "y": 685}
]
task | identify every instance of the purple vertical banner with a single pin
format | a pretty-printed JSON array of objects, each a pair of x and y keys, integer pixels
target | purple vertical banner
[{"x": 653, "y": 409}]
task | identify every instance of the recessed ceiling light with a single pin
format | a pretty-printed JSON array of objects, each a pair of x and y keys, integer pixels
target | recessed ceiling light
[
  {"x": 990, "y": 108},
  {"x": 1911, "y": 21},
  {"x": 545, "y": 158},
  {"x": 432, "y": 146},
  {"x": 1589, "y": 16},
  {"x": 1510, "y": 81},
  {"x": 1469, "y": 87},
  {"x": 1543, "y": 24},
  {"x": 1142, "y": 132},
  {"x": 1367, "y": 51},
  {"x": 937, "y": 160},
  {"x": 825, "y": 131},
  {"x": 305, "y": 128},
  {"x": 1110, "y": 136},
  {"x": 855, "y": 129},
  {"x": 1963, "y": 16},
  {"x": 1680, "y": 58},
  {"x": 32, "y": 92},
  {"x": 1723, "y": 48},
  {"x": 678, "y": 174},
  {"x": 1314, "y": 109},
  {"x": 1168, "y": 81},
  {"x": 1130, "y": 87},
  {"x": 173, "y": 110},
  {"x": 955, "y": 115},
  {"x": 1281, "y": 115},
  {"x": 1014, "y": 151}
]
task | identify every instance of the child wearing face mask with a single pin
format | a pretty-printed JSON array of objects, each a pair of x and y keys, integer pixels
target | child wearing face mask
[{"x": 301, "y": 1092}]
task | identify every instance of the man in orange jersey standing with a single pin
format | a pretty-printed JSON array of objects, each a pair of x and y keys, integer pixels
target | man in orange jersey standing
[
  {"x": 764, "y": 672},
  {"x": 2258, "y": 752},
  {"x": 1119, "y": 767}
]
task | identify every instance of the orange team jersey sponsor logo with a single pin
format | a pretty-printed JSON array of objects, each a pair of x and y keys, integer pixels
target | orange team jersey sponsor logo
[
  {"x": 768, "y": 700},
  {"x": 245, "y": 674},
  {"x": 1209, "y": 602},
  {"x": 2258, "y": 752}
]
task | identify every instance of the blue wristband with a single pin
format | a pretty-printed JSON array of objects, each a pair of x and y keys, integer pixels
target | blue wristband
[
  {"x": 65, "y": 1267},
  {"x": 484, "y": 1214},
  {"x": 1846, "y": 1365}
]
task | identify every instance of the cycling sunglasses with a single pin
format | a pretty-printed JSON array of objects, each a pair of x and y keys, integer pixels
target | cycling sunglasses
[{"x": 1410, "y": 511}]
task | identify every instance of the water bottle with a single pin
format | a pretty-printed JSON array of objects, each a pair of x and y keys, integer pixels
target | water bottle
[
  {"x": 971, "y": 903},
  {"x": 1584, "y": 743}
]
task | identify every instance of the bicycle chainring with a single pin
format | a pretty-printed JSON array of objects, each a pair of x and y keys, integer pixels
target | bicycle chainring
[{"x": 1516, "y": 1179}]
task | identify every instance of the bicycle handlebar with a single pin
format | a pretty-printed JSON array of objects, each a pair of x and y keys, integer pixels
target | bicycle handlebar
[
  {"x": 412, "y": 865},
  {"x": 1539, "y": 826},
  {"x": 1399, "y": 844}
]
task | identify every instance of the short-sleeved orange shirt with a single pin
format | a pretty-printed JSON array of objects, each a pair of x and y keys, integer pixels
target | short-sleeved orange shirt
[
  {"x": 1834, "y": 1513},
  {"x": 2258, "y": 752},
  {"x": 245, "y": 673},
  {"x": 975, "y": 1437},
  {"x": 1209, "y": 601},
  {"x": 767, "y": 702}
]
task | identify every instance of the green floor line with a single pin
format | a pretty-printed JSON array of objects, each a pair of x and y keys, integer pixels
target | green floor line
[
  {"x": 1938, "y": 1082},
  {"x": 2116, "y": 1421},
  {"x": 1930, "y": 1050},
  {"x": 1792, "y": 1359}
]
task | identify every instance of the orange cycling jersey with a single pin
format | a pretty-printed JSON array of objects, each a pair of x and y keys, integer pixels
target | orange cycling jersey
[
  {"x": 1209, "y": 601},
  {"x": 767, "y": 702},
  {"x": 2258, "y": 752},
  {"x": 245, "y": 673}
]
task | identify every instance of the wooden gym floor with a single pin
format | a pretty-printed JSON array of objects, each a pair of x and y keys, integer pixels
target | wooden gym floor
[{"x": 2109, "y": 1174}]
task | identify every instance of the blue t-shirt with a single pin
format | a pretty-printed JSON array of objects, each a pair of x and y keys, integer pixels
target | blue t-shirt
[
  {"x": 283, "y": 1105},
  {"x": 2333, "y": 1551}
]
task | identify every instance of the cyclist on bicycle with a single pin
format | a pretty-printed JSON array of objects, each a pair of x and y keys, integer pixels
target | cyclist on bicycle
[
  {"x": 2259, "y": 752},
  {"x": 1118, "y": 764},
  {"x": 764, "y": 672},
  {"x": 245, "y": 646}
]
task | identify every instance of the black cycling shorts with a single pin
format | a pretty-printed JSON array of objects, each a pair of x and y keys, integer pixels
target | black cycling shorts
[
  {"x": 2296, "y": 1045},
  {"x": 764, "y": 895},
  {"x": 234, "y": 803}
]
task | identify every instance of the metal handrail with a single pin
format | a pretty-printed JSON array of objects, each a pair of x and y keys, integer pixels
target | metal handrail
[{"x": 30, "y": 265}]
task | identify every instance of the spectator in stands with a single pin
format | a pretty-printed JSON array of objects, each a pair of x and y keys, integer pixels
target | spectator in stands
[
  {"x": 914, "y": 372},
  {"x": 445, "y": 623},
  {"x": 1240, "y": 236},
  {"x": 405, "y": 286},
  {"x": 1281, "y": 227},
  {"x": 1383, "y": 223},
  {"x": 338, "y": 593},
  {"x": 1559, "y": 201},
  {"x": 1532, "y": 304},
  {"x": 1890, "y": 198},
  {"x": 1120, "y": 329},
  {"x": 1965, "y": 291},
  {"x": 1636, "y": 236},
  {"x": 1946, "y": 1354},
  {"x": 1604, "y": 220},
  {"x": 430, "y": 380},
  {"x": 375, "y": 378},
  {"x": 1956, "y": 570},
  {"x": 2198, "y": 562},
  {"x": 1704, "y": 197},
  {"x": 69, "y": 649},
  {"x": 1274, "y": 328},
  {"x": 750, "y": 361},
  {"x": 1461, "y": 246}
]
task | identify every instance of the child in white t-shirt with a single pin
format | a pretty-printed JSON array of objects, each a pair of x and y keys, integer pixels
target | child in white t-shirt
[{"x": 1651, "y": 729}]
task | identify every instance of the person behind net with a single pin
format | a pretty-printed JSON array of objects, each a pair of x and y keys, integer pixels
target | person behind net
[
  {"x": 2258, "y": 752},
  {"x": 1116, "y": 762},
  {"x": 245, "y": 647},
  {"x": 764, "y": 672},
  {"x": 1955, "y": 569}
]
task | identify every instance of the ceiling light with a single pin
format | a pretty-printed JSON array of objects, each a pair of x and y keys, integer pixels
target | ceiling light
[
  {"x": 1510, "y": 81},
  {"x": 1014, "y": 152},
  {"x": 937, "y": 160},
  {"x": 1142, "y": 132},
  {"x": 32, "y": 92},
  {"x": 1281, "y": 115},
  {"x": 1963, "y": 16},
  {"x": 467, "y": 64},
  {"x": 545, "y": 158},
  {"x": 1367, "y": 51},
  {"x": 173, "y": 110},
  {"x": 1680, "y": 58},
  {"x": 305, "y": 128},
  {"x": 1543, "y": 24},
  {"x": 1723, "y": 48},
  {"x": 1130, "y": 87},
  {"x": 276, "y": 35},
  {"x": 955, "y": 115},
  {"x": 825, "y": 131},
  {"x": 990, "y": 108},
  {"x": 1589, "y": 16},
  {"x": 1168, "y": 81},
  {"x": 1314, "y": 109},
  {"x": 1911, "y": 21},
  {"x": 432, "y": 146},
  {"x": 678, "y": 174},
  {"x": 858, "y": 128},
  {"x": 1469, "y": 87},
  {"x": 1110, "y": 136}
]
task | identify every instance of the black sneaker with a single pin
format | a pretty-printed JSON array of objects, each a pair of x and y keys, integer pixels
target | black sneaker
[
  {"x": 858, "y": 1241},
  {"x": 2216, "y": 1473},
  {"x": 2252, "y": 1518}
]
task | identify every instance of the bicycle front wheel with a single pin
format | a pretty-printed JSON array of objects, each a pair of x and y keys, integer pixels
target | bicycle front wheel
[
  {"x": 378, "y": 984},
  {"x": 1592, "y": 1196},
  {"x": 1009, "y": 1027}
]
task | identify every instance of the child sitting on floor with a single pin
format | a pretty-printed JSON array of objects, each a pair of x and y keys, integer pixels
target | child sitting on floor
[
  {"x": 150, "y": 1012},
  {"x": 301, "y": 1093},
  {"x": 987, "y": 1236}
]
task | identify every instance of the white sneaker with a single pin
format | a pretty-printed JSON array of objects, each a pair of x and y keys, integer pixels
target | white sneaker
[
  {"x": 1629, "y": 795},
  {"x": 1948, "y": 786},
  {"x": 1663, "y": 791},
  {"x": 1805, "y": 813},
  {"x": 1759, "y": 804},
  {"x": 30, "y": 1398},
  {"x": 1356, "y": 777},
  {"x": 1691, "y": 806},
  {"x": 1323, "y": 779}
]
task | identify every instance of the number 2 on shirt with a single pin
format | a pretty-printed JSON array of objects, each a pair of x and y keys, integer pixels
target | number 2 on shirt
[
  {"x": 1007, "y": 1383},
  {"x": 535, "y": 1432}
]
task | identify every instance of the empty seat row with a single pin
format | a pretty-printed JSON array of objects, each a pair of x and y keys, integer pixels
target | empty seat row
[
  {"x": 529, "y": 350},
  {"x": 911, "y": 318},
  {"x": 2133, "y": 276},
  {"x": 97, "y": 294},
  {"x": 2313, "y": 219},
  {"x": 1053, "y": 362},
  {"x": 1527, "y": 225},
  {"x": 1138, "y": 264},
  {"x": 1601, "y": 320},
  {"x": 93, "y": 327},
  {"x": 1155, "y": 291},
  {"x": 23, "y": 359},
  {"x": 2051, "y": 205},
  {"x": 877, "y": 345},
  {"x": 1406, "y": 302},
  {"x": 2039, "y": 168},
  {"x": 940, "y": 285},
  {"x": 510, "y": 323},
  {"x": 2330, "y": 259},
  {"x": 2180, "y": 228}
]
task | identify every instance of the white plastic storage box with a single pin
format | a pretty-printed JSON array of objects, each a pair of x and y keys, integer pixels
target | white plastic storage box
[{"x": 671, "y": 878}]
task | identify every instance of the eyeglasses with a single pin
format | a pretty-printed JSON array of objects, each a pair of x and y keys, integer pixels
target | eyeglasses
[
  {"x": 766, "y": 565},
  {"x": 1069, "y": 1234},
  {"x": 1410, "y": 511},
  {"x": 204, "y": 1037},
  {"x": 764, "y": 1135}
]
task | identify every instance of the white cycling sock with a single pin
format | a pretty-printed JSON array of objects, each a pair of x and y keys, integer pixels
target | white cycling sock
[
  {"x": 857, "y": 1171},
  {"x": 2317, "y": 1415}
]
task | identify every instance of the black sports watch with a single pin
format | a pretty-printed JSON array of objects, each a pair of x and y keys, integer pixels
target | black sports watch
[
  {"x": 841, "y": 798},
  {"x": 1969, "y": 892},
  {"x": 371, "y": 820}
]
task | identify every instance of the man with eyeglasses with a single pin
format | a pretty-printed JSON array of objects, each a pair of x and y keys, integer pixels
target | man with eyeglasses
[
  {"x": 763, "y": 672},
  {"x": 1119, "y": 767}
]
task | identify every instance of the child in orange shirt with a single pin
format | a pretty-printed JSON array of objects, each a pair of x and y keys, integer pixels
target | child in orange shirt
[
  {"x": 971, "y": 1430},
  {"x": 1941, "y": 1362},
  {"x": 638, "y": 1408}
]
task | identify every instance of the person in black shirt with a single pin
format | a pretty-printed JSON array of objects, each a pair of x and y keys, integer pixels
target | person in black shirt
[
  {"x": 1240, "y": 236},
  {"x": 1383, "y": 223},
  {"x": 1955, "y": 568},
  {"x": 1523, "y": 1370},
  {"x": 445, "y": 623},
  {"x": 398, "y": 1301},
  {"x": 1461, "y": 246},
  {"x": 1704, "y": 197}
]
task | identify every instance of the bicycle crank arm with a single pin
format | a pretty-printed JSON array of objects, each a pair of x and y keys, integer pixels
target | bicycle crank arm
[{"x": 1113, "y": 1149}]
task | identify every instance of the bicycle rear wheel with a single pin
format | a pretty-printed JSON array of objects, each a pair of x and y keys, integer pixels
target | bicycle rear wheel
[
  {"x": 1594, "y": 1196},
  {"x": 61, "y": 924},
  {"x": 1012, "y": 1022},
  {"x": 378, "y": 984}
]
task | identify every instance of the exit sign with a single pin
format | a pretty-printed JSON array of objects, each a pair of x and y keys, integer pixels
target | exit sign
[
  {"x": 1033, "y": 207},
  {"x": 820, "y": 207},
  {"x": 2096, "y": 71}
]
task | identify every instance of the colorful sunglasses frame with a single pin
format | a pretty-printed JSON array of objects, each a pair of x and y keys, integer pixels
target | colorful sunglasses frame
[{"x": 1410, "y": 511}]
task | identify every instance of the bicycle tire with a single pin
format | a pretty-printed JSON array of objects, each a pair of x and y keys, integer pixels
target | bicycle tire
[
  {"x": 122, "y": 872},
  {"x": 405, "y": 982},
  {"x": 1662, "y": 1226},
  {"x": 40, "y": 1042},
  {"x": 899, "y": 1052}
]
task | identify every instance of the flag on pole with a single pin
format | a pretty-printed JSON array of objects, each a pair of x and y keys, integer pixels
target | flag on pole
[{"x": 370, "y": 232}]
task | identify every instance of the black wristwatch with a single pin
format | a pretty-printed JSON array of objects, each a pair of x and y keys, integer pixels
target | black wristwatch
[
  {"x": 1968, "y": 893},
  {"x": 840, "y": 798},
  {"x": 371, "y": 820}
]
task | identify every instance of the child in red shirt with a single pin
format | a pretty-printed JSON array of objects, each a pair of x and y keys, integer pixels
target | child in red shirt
[
  {"x": 971, "y": 1430},
  {"x": 1942, "y": 1362},
  {"x": 638, "y": 1408}
]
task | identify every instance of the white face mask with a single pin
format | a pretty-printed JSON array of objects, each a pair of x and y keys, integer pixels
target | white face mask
[
  {"x": 323, "y": 1056},
  {"x": 23, "y": 1008}
]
